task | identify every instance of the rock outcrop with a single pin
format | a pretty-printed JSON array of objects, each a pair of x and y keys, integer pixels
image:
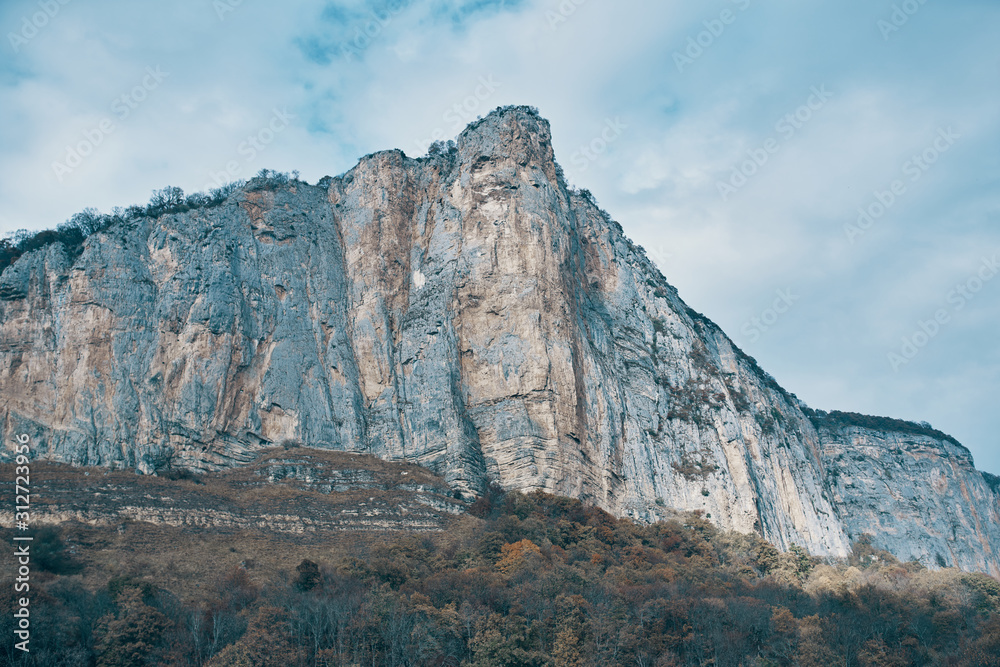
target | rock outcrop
[
  {"x": 918, "y": 495},
  {"x": 465, "y": 311},
  {"x": 300, "y": 491}
]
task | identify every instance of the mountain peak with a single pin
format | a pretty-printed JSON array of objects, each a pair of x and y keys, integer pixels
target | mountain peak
[{"x": 516, "y": 134}]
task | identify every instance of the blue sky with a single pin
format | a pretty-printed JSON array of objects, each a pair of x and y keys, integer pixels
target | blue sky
[{"x": 738, "y": 141}]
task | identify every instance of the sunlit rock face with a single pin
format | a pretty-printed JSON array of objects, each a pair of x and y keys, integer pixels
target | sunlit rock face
[{"x": 466, "y": 311}]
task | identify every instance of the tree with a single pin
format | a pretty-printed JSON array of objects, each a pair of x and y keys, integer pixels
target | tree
[
  {"x": 501, "y": 641},
  {"x": 875, "y": 653},
  {"x": 166, "y": 198},
  {"x": 48, "y": 551},
  {"x": 132, "y": 636},
  {"x": 566, "y": 650},
  {"x": 88, "y": 221},
  {"x": 512, "y": 556},
  {"x": 309, "y": 575},
  {"x": 985, "y": 652},
  {"x": 267, "y": 643}
]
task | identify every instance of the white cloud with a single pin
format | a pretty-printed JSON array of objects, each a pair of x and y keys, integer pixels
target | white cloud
[{"x": 686, "y": 132}]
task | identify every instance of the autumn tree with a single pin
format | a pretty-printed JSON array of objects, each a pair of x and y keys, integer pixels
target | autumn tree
[
  {"x": 267, "y": 643},
  {"x": 132, "y": 635}
]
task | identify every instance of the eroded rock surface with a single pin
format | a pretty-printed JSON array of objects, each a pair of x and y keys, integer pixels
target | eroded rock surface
[
  {"x": 300, "y": 491},
  {"x": 465, "y": 311},
  {"x": 918, "y": 495}
]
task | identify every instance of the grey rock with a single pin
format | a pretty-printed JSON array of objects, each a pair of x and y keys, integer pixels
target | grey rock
[{"x": 465, "y": 311}]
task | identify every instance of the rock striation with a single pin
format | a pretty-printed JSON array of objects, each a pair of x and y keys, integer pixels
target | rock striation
[
  {"x": 465, "y": 311},
  {"x": 299, "y": 491},
  {"x": 917, "y": 494}
]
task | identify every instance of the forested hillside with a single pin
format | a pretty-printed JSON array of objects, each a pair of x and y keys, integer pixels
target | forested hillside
[{"x": 519, "y": 580}]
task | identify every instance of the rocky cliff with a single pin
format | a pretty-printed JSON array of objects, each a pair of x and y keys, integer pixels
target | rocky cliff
[
  {"x": 917, "y": 494},
  {"x": 465, "y": 311}
]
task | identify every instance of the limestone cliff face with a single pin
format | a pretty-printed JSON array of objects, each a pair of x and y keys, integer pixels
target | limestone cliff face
[
  {"x": 918, "y": 496},
  {"x": 464, "y": 311}
]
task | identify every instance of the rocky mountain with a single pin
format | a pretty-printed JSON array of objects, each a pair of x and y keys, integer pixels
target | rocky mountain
[{"x": 466, "y": 311}]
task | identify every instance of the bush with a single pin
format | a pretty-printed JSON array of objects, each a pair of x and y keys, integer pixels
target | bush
[
  {"x": 309, "y": 575},
  {"x": 89, "y": 221},
  {"x": 132, "y": 635},
  {"x": 48, "y": 551},
  {"x": 837, "y": 419}
]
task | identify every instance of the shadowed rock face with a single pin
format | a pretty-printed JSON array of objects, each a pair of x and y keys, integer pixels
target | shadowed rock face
[
  {"x": 465, "y": 311},
  {"x": 918, "y": 496}
]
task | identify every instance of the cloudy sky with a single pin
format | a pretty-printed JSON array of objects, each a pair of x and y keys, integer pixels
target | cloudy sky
[{"x": 838, "y": 162}]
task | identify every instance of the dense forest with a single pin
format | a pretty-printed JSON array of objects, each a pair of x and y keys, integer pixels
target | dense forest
[{"x": 523, "y": 580}]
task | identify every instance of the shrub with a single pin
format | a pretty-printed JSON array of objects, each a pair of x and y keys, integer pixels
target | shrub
[
  {"x": 837, "y": 419},
  {"x": 89, "y": 221},
  {"x": 132, "y": 635},
  {"x": 993, "y": 481},
  {"x": 48, "y": 551},
  {"x": 309, "y": 575}
]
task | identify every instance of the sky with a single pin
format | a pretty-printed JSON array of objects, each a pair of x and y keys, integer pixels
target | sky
[{"x": 820, "y": 178}]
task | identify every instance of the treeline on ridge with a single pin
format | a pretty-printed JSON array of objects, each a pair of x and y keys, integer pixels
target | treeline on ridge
[{"x": 74, "y": 231}]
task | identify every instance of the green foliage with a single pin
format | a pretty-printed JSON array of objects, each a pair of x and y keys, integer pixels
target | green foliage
[
  {"x": 695, "y": 468},
  {"x": 985, "y": 590},
  {"x": 865, "y": 554},
  {"x": 309, "y": 575},
  {"x": 993, "y": 481},
  {"x": 118, "y": 585},
  {"x": 49, "y": 553},
  {"x": 503, "y": 641},
  {"x": 267, "y": 643}
]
